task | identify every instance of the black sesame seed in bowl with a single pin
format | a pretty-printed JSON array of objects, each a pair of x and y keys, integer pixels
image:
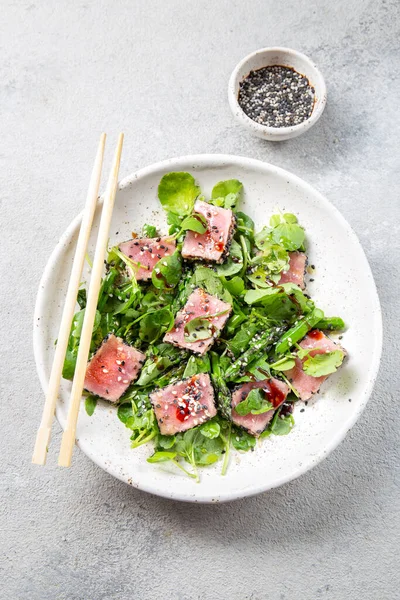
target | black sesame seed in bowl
[
  {"x": 276, "y": 96},
  {"x": 277, "y": 93}
]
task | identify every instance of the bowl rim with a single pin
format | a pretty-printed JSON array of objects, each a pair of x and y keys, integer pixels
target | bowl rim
[
  {"x": 265, "y": 130},
  {"x": 214, "y": 161}
]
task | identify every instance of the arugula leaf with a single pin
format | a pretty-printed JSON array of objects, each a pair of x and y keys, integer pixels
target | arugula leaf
[
  {"x": 284, "y": 364},
  {"x": 149, "y": 231},
  {"x": 258, "y": 296},
  {"x": 211, "y": 429},
  {"x": 245, "y": 226},
  {"x": 290, "y": 218},
  {"x": 177, "y": 193},
  {"x": 268, "y": 265},
  {"x": 167, "y": 271},
  {"x": 194, "y": 222},
  {"x": 282, "y": 425},
  {"x": 195, "y": 365},
  {"x": 323, "y": 364},
  {"x": 235, "y": 286},
  {"x": 161, "y": 456},
  {"x": 207, "y": 279},
  {"x": 242, "y": 338},
  {"x": 125, "y": 412},
  {"x": 255, "y": 404},
  {"x": 90, "y": 404},
  {"x": 276, "y": 304},
  {"x": 208, "y": 450},
  {"x": 69, "y": 364},
  {"x": 155, "y": 324},
  {"x": 165, "y": 441},
  {"x": 290, "y": 235},
  {"x": 305, "y": 304},
  {"x": 241, "y": 440},
  {"x": 234, "y": 261},
  {"x": 201, "y": 328},
  {"x": 226, "y": 193},
  {"x": 174, "y": 221},
  {"x": 81, "y": 299}
]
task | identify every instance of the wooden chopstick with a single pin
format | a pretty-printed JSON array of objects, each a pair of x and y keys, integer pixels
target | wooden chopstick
[
  {"x": 68, "y": 439},
  {"x": 43, "y": 435}
]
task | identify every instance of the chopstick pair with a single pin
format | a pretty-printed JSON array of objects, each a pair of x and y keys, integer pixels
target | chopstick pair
[{"x": 44, "y": 431}]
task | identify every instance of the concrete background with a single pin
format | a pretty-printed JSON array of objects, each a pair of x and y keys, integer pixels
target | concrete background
[{"x": 158, "y": 71}]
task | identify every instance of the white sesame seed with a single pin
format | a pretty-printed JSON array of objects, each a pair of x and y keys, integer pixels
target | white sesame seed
[
  {"x": 118, "y": 362},
  {"x": 119, "y": 378},
  {"x": 125, "y": 381},
  {"x": 105, "y": 370}
]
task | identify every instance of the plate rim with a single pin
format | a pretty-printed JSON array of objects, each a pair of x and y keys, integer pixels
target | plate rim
[{"x": 216, "y": 160}]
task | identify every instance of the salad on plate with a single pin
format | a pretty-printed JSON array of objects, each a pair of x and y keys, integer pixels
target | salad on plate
[{"x": 205, "y": 338}]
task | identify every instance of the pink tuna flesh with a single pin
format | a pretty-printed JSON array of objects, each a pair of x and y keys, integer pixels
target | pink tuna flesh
[
  {"x": 296, "y": 270},
  {"x": 275, "y": 392},
  {"x": 306, "y": 385},
  {"x": 112, "y": 369},
  {"x": 147, "y": 252},
  {"x": 183, "y": 405},
  {"x": 212, "y": 244},
  {"x": 199, "y": 304}
]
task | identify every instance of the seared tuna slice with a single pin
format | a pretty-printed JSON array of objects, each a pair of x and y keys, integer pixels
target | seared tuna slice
[
  {"x": 296, "y": 270},
  {"x": 306, "y": 385},
  {"x": 183, "y": 405},
  {"x": 203, "y": 305},
  {"x": 275, "y": 392},
  {"x": 112, "y": 369},
  {"x": 147, "y": 252},
  {"x": 214, "y": 243}
]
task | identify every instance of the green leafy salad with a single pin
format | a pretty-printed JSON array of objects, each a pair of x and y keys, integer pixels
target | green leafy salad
[{"x": 204, "y": 337}]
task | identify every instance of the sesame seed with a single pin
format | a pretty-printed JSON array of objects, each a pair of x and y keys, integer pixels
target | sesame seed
[
  {"x": 125, "y": 381},
  {"x": 105, "y": 370}
]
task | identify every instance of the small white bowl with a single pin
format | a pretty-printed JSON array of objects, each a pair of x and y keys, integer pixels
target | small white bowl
[{"x": 284, "y": 57}]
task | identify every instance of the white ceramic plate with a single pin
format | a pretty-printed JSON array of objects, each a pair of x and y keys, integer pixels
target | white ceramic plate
[{"x": 343, "y": 285}]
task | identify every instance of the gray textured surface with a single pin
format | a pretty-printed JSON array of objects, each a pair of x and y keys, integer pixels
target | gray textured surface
[{"x": 158, "y": 70}]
